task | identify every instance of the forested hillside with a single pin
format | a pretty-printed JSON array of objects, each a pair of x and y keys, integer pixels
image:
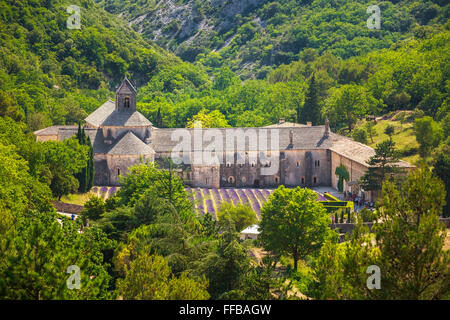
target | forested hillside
[
  {"x": 412, "y": 74},
  {"x": 50, "y": 74},
  {"x": 253, "y": 36}
]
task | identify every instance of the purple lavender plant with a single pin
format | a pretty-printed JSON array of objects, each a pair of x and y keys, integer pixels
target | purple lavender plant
[
  {"x": 260, "y": 196},
  {"x": 234, "y": 197},
  {"x": 243, "y": 196},
  {"x": 210, "y": 208},
  {"x": 225, "y": 195},
  {"x": 254, "y": 202}
]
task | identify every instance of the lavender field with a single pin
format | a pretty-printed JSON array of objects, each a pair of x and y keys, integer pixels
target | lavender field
[{"x": 210, "y": 200}]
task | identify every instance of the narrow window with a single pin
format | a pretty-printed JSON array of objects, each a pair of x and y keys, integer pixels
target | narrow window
[
  {"x": 303, "y": 180},
  {"x": 118, "y": 172},
  {"x": 298, "y": 163},
  {"x": 315, "y": 180},
  {"x": 127, "y": 102}
]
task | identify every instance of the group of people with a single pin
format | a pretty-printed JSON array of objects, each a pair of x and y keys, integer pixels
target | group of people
[{"x": 358, "y": 199}]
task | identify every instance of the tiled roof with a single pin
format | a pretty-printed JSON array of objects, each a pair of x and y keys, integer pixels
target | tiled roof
[
  {"x": 130, "y": 145},
  {"x": 97, "y": 117},
  {"x": 52, "y": 131},
  {"x": 356, "y": 151},
  {"x": 126, "y": 119},
  {"x": 304, "y": 138}
]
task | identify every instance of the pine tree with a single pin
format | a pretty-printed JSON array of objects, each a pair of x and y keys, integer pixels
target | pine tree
[
  {"x": 311, "y": 109},
  {"x": 381, "y": 164}
]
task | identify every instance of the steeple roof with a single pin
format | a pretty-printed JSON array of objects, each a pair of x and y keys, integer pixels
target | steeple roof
[{"x": 127, "y": 83}]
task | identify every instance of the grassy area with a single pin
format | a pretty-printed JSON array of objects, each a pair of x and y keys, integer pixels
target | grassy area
[
  {"x": 403, "y": 137},
  {"x": 77, "y": 198}
]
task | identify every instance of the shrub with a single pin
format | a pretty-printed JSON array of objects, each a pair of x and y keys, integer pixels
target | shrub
[
  {"x": 390, "y": 129},
  {"x": 360, "y": 135}
]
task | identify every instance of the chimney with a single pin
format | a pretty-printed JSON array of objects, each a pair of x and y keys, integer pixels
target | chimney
[
  {"x": 309, "y": 124},
  {"x": 327, "y": 128},
  {"x": 291, "y": 138}
]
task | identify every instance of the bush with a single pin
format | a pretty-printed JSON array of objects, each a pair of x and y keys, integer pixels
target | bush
[
  {"x": 360, "y": 135},
  {"x": 367, "y": 215},
  {"x": 390, "y": 129},
  {"x": 94, "y": 208}
]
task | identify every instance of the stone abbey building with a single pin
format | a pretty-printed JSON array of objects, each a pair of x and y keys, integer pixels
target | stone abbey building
[{"x": 306, "y": 155}]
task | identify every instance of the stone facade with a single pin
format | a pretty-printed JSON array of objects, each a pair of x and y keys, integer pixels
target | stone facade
[{"x": 306, "y": 155}]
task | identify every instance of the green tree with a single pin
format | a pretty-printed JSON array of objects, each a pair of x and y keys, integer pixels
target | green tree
[
  {"x": 64, "y": 160},
  {"x": 408, "y": 247},
  {"x": 162, "y": 182},
  {"x": 241, "y": 215},
  {"x": 148, "y": 277},
  {"x": 293, "y": 222},
  {"x": 311, "y": 110},
  {"x": 389, "y": 130},
  {"x": 226, "y": 267},
  {"x": 346, "y": 104},
  {"x": 442, "y": 170},
  {"x": 212, "y": 119},
  {"x": 360, "y": 135},
  {"x": 343, "y": 175},
  {"x": 411, "y": 239},
  {"x": 94, "y": 208},
  {"x": 37, "y": 252},
  {"x": 428, "y": 135},
  {"x": 86, "y": 176},
  {"x": 370, "y": 130},
  {"x": 381, "y": 164}
]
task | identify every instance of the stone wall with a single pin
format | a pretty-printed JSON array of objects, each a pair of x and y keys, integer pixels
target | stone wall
[
  {"x": 118, "y": 165},
  {"x": 355, "y": 170}
]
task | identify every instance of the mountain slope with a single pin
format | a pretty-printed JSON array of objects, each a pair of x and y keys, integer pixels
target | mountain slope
[
  {"x": 251, "y": 36},
  {"x": 50, "y": 74}
]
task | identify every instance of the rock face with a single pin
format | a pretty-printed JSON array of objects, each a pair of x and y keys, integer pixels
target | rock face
[{"x": 177, "y": 25}]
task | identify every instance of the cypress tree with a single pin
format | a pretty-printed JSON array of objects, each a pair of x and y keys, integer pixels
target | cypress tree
[
  {"x": 159, "y": 119},
  {"x": 90, "y": 175},
  {"x": 86, "y": 176},
  {"x": 79, "y": 133},
  {"x": 311, "y": 108}
]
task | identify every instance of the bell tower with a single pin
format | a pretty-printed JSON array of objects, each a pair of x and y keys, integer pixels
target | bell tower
[{"x": 126, "y": 97}]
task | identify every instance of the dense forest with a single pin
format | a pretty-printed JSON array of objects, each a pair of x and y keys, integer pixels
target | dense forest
[{"x": 237, "y": 63}]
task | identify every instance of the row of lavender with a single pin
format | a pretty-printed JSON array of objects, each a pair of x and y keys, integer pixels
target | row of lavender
[
  {"x": 104, "y": 192},
  {"x": 210, "y": 200}
]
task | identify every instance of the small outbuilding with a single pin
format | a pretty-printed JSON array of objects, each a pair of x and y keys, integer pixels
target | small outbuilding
[{"x": 251, "y": 232}]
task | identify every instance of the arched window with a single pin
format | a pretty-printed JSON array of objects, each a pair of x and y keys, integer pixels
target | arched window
[
  {"x": 230, "y": 179},
  {"x": 127, "y": 102},
  {"x": 118, "y": 171},
  {"x": 277, "y": 180},
  {"x": 298, "y": 163}
]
